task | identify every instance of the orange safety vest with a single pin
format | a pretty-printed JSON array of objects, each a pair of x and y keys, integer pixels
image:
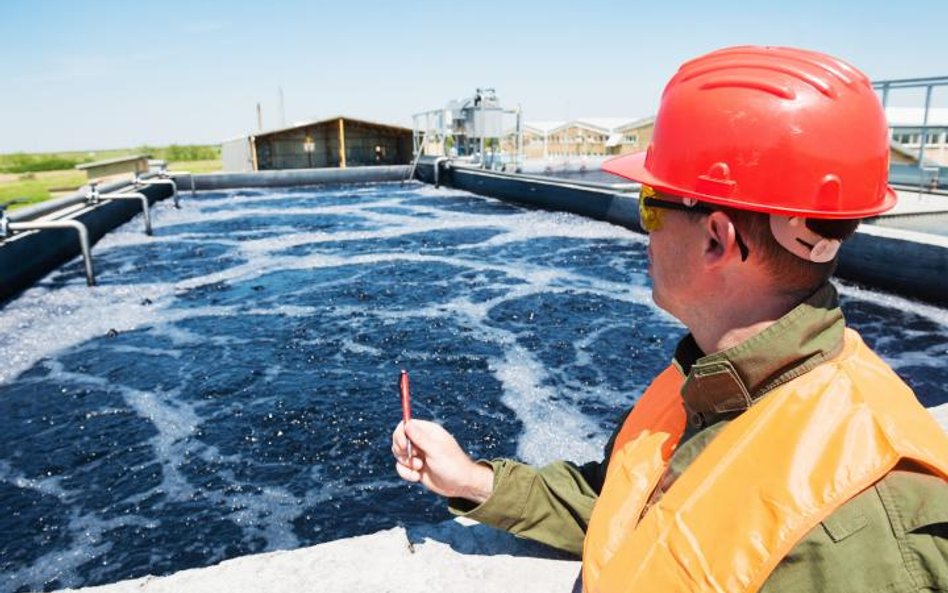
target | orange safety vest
[{"x": 772, "y": 474}]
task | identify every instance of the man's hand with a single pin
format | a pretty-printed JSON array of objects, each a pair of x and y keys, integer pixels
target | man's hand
[{"x": 439, "y": 463}]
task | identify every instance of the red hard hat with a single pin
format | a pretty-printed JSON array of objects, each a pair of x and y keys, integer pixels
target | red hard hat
[{"x": 772, "y": 129}]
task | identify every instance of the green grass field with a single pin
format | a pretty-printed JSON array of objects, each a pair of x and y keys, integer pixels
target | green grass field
[
  {"x": 30, "y": 188},
  {"x": 207, "y": 166},
  {"x": 40, "y": 184}
]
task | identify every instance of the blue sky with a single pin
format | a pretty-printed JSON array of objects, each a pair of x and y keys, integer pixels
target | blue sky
[{"x": 104, "y": 74}]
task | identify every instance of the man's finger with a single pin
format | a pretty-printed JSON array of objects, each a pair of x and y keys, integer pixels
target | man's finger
[
  {"x": 421, "y": 432},
  {"x": 399, "y": 455},
  {"x": 407, "y": 474},
  {"x": 398, "y": 435},
  {"x": 399, "y": 441},
  {"x": 409, "y": 462}
]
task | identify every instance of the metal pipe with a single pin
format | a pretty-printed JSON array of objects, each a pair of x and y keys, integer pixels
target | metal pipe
[
  {"x": 287, "y": 177},
  {"x": 94, "y": 196},
  {"x": 38, "y": 225},
  {"x": 188, "y": 173},
  {"x": 146, "y": 210},
  {"x": 437, "y": 165},
  {"x": 924, "y": 135},
  {"x": 54, "y": 205},
  {"x": 519, "y": 157},
  {"x": 163, "y": 180},
  {"x": 906, "y": 83},
  {"x": 414, "y": 164}
]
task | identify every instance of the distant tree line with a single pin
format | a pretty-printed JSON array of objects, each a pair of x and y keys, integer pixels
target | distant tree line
[
  {"x": 32, "y": 163},
  {"x": 186, "y": 152},
  {"x": 22, "y": 162}
]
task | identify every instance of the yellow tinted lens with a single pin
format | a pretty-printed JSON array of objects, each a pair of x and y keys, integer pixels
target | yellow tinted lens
[{"x": 650, "y": 218}]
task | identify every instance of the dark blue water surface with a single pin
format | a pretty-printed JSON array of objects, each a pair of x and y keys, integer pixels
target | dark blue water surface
[{"x": 229, "y": 388}]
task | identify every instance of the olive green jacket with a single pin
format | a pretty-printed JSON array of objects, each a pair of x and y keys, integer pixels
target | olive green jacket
[{"x": 892, "y": 537}]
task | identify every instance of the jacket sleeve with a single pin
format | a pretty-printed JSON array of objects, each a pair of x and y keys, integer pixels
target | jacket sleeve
[{"x": 551, "y": 504}]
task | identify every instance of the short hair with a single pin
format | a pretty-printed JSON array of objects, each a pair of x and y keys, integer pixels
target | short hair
[{"x": 794, "y": 276}]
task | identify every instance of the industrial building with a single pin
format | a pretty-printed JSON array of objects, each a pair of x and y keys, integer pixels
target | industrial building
[
  {"x": 906, "y": 125},
  {"x": 476, "y": 130},
  {"x": 335, "y": 142},
  {"x": 603, "y": 137},
  {"x": 586, "y": 137}
]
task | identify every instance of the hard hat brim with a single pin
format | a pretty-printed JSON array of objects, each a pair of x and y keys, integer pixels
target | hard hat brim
[{"x": 632, "y": 167}]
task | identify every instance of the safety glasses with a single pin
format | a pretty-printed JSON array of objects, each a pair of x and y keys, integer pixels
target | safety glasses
[{"x": 652, "y": 212}]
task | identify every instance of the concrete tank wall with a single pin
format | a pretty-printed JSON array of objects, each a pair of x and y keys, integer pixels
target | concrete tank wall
[
  {"x": 28, "y": 256},
  {"x": 905, "y": 262}
]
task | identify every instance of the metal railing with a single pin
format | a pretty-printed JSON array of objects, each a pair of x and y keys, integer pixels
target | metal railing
[
  {"x": 44, "y": 216},
  {"x": 137, "y": 182},
  {"x": 8, "y": 227},
  {"x": 94, "y": 197},
  {"x": 885, "y": 86}
]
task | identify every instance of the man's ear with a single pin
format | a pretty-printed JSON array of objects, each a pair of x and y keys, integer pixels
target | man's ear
[{"x": 720, "y": 239}]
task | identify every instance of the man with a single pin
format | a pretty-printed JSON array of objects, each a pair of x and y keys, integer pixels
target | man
[{"x": 776, "y": 452}]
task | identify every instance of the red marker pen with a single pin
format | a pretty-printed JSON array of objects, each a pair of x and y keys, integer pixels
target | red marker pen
[{"x": 406, "y": 402}]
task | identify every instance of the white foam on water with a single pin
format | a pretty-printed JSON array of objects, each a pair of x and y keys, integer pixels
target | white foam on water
[
  {"x": 51, "y": 486},
  {"x": 63, "y": 564},
  {"x": 552, "y": 427},
  {"x": 174, "y": 420},
  {"x": 522, "y": 377},
  {"x": 356, "y": 348},
  {"x": 891, "y": 301},
  {"x": 552, "y": 430},
  {"x": 889, "y": 340},
  {"x": 41, "y": 322},
  {"x": 519, "y": 372},
  {"x": 88, "y": 541},
  {"x": 285, "y": 311},
  {"x": 429, "y": 191},
  {"x": 144, "y": 351}
]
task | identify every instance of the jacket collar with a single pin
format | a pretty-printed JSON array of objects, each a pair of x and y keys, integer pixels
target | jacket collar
[{"x": 728, "y": 382}]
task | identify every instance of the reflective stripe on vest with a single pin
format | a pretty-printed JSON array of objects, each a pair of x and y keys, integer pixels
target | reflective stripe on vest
[{"x": 763, "y": 482}]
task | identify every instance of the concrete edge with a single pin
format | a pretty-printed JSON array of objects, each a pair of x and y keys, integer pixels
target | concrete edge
[{"x": 458, "y": 556}]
